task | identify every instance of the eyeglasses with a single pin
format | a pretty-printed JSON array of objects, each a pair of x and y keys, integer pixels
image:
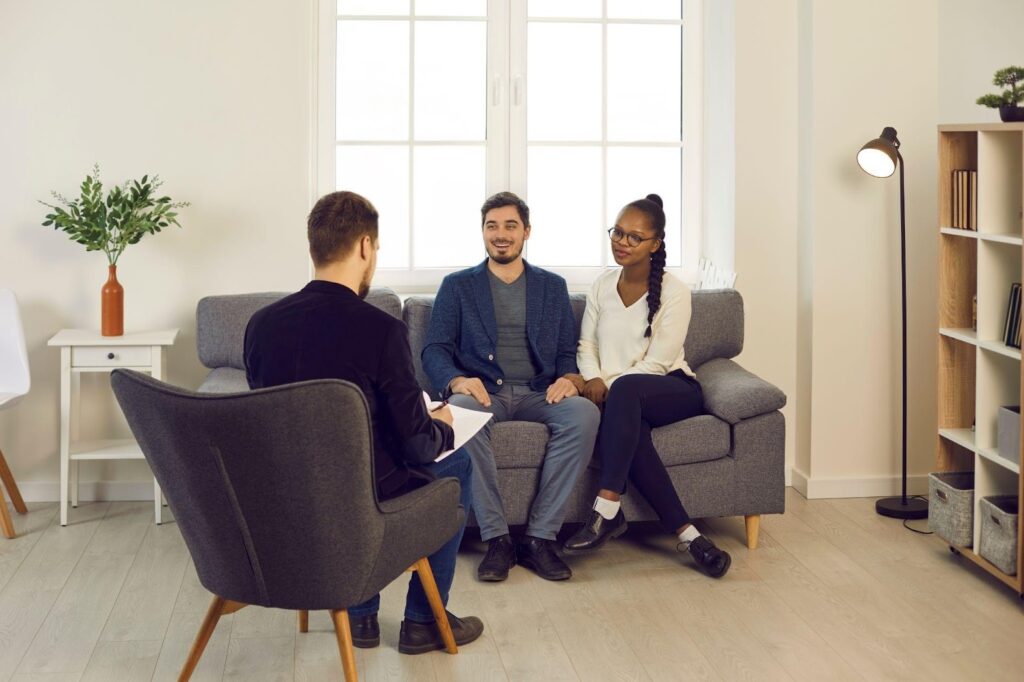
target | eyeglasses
[{"x": 617, "y": 235}]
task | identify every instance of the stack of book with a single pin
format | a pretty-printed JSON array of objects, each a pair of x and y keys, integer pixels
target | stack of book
[
  {"x": 965, "y": 200},
  {"x": 1011, "y": 328}
]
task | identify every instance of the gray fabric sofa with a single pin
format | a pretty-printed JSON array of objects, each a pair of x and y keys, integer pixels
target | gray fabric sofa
[{"x": 728, "y": 462}]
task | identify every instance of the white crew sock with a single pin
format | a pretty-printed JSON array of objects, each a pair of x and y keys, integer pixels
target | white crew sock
[
  {"x": 606, "y": 508},
  {"x": 689, "y": 535}
]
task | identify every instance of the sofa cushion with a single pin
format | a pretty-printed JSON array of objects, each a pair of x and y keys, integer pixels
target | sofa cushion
[
  {"x": 716, "y": 326},
  {"x": 224, "y": 380},
  {"x": 734, "y": 394},
  {"x": 416, "y": 315},
  {"x": 221, "y": 322},
  {"x": 521, "y": 445}
]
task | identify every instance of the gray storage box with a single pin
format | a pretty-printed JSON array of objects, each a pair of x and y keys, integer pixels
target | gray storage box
[
  {"x": 1008, "y": 438},
  {"x": 998, "y": 543},
  {"x": 951, "y": 506}
]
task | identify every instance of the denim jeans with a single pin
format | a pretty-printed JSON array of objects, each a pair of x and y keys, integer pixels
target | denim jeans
[
  {"x": 442, "y": 562},
  {"x": 572, "y": 429}
]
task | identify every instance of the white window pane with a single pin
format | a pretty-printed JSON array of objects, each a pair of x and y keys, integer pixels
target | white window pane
[
  {"x": 564, "y": 82},
  {"x": 644, "y": 86},
  {"x": 381, "y": 174},
  {"x": 564, "y": 193},
  {"x": 450, "y": 76},
  {"x": 564, "y": 8},
  {"x": 635, "y": 172},
  {"x": 451, "y": 8},
  {"x": 373, "y": 80},
  {"x": 645, "y": 9},
  {"x": 373, "y": 7},
  {"x": 448, "y": 188}
]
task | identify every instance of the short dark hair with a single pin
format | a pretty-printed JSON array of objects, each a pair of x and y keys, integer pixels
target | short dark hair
[
  {"x": 505, "y": 199},
  {"x": 337, "y": 222}
]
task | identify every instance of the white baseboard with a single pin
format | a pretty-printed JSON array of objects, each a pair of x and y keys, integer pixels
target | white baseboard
[
  {"x": 89, "y": 491},
  {"x": 818, "y": 488}
]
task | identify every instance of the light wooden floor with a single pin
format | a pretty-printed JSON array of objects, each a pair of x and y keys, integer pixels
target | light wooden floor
[{"x": 833, "y": 593}]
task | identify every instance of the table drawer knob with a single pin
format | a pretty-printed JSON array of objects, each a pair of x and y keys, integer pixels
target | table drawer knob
[{"x": 110, "y": 356}]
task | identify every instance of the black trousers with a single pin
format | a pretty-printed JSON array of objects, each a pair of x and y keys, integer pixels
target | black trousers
[{"x": 637, "y": 403}]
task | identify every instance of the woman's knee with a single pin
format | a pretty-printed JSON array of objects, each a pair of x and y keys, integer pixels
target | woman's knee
[{"x": 626, "y": 389}]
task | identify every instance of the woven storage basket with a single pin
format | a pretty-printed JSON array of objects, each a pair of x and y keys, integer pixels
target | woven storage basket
[
  {"x": 951, "y": 506},
  {"x": 998, "y": 543}
]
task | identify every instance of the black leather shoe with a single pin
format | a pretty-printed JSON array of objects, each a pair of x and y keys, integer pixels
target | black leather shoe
[
  {"x": 365, "y": 631},
  {"x": 419, "y": 638},
  {"x": 500, "y": 557},
  {"x": 539, "y": 556},
  {"x": 713, "y": 561},
  {"x": 595, "y": 533}
]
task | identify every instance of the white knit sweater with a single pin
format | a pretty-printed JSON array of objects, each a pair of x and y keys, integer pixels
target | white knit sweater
[{"x": 612, "y": 339}]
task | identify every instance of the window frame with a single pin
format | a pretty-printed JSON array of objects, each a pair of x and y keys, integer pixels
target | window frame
[{"x": 506, "y": 144}]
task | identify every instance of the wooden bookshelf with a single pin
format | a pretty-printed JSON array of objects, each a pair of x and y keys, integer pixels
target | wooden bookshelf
[{"x": 978, "y": 372}]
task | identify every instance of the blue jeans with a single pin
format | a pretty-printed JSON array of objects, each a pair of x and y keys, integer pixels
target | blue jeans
[
  {"x": 572, "y": 429},
  {"x": 442, "y": 562}
]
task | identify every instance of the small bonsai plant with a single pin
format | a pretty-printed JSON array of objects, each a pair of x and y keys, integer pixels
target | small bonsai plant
[
  {"x": 109, "y": 224},
  {"x": 1012, "y": 80}
]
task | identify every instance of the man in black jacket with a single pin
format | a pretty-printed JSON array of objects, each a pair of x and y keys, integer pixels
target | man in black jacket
[{"x": 327, "y": 331}]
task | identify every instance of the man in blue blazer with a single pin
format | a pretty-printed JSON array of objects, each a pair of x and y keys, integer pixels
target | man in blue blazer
[{"x": 502, "y": 339}]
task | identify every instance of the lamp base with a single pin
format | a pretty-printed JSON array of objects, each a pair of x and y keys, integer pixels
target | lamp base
[{"x": 897, "y": 508}]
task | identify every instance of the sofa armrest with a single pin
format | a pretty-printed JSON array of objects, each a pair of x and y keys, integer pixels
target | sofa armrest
[{"x": 733, "y": 394}]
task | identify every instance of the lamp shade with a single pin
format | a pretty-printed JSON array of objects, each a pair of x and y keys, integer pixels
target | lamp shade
[{"x": 878, "y": 157}]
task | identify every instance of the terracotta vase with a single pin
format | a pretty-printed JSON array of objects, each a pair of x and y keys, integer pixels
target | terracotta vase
[{"x": 112, "y": 305}]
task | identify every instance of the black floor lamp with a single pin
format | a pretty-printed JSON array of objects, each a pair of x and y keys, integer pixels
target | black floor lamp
[{"x": 879, "y": 158}]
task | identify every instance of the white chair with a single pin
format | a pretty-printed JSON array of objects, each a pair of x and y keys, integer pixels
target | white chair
[{"x": 14, "y": 384}]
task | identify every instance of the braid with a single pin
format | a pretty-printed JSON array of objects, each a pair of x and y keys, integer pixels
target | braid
[{"x": 654, "y": 286}]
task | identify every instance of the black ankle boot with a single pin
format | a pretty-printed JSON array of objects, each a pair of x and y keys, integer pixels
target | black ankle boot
[
  {"x": 500, "y": 557},
  {"x": 595, "y": 533}
]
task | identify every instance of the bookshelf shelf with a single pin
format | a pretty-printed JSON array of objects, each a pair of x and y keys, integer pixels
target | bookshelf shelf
[{"x": 978, "y": 373}]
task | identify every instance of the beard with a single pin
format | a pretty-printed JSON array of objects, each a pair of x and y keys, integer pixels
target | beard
[{"x": 505, "y": 259}]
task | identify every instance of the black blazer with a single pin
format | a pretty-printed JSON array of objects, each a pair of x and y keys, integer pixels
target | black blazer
[{"x": 326, "y": 331}]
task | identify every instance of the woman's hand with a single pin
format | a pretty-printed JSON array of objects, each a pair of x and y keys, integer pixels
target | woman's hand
[{"x": 596, "y": 391}]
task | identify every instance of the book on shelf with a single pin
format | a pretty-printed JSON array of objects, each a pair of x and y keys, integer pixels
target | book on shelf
[
  {"x": 964, "y": 200},
  {"x": 1011, "y": 327}
]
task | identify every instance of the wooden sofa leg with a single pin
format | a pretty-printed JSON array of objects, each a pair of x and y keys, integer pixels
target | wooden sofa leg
[
  {"x": 303, "y": 621},
  {"x": 753, "y": 522}
]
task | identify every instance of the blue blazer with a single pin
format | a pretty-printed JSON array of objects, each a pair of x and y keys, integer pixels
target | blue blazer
[{"x": 462, "y": 338}]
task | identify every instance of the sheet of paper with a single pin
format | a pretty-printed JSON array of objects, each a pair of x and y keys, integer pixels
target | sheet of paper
[{"x": 465, "y": 423}]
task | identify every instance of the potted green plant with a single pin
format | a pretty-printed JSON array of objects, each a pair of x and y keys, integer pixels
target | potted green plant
[
  {"x": 1008, "y": 102},
  {"x": 110, "y": 223}
]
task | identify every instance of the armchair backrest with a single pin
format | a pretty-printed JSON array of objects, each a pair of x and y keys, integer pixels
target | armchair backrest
[{"x": 273, "y": 489}]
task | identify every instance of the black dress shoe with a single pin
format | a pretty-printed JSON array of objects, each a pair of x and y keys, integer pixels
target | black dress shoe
[
  {"x": 539, "y": 556},
  {"x": 500, "y": 557},
  {"x": 365, "y": 631},
  {"x": 713, "y": 561},
  {"x": 419, "y": 638},
  {"x": 595, "y": 533}
]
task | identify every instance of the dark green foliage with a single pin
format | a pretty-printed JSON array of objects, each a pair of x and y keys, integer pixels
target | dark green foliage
[
  {"x": 110, "y": 224},
  {"x": 1012, "y": 79}
]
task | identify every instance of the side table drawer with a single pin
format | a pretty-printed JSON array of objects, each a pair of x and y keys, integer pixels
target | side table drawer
[{"x": 111, "y": 356}]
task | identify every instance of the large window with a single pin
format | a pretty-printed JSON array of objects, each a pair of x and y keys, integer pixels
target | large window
[{"x": 580, "y": 106}]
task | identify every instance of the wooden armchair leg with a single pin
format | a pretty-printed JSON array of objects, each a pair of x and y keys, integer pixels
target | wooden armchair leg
[
  {"x": 753, "y": 522},
  {"x": 422, "y": 567},
  {"x": 218, "y": 607},
  {"x": 6, "y": 524},
  {"x": 344, "y": 635},
  {"x": 12, "y": 488},
  {"x": 303, "y": 621}
]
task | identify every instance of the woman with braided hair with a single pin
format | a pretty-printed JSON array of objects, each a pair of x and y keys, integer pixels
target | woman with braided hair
[{"x": 631, "y": 359}]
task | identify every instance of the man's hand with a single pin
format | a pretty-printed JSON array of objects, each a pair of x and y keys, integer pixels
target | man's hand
[
  {"x": 471, "y": 386},
  {"x": 562, "y": 388},
  {"x": 596, "y": 391},
  {"x": 443, "y": 414}
]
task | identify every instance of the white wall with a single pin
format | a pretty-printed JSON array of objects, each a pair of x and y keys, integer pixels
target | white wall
[
  {"x": 975, "y": 39},
  {"x": 213, "y": 96}
]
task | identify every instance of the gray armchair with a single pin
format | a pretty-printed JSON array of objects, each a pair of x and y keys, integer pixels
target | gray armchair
[{"x": 274, "y": 493}]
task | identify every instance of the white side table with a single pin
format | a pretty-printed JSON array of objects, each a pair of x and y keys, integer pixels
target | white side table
[{"x": 87, "y": 351}]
